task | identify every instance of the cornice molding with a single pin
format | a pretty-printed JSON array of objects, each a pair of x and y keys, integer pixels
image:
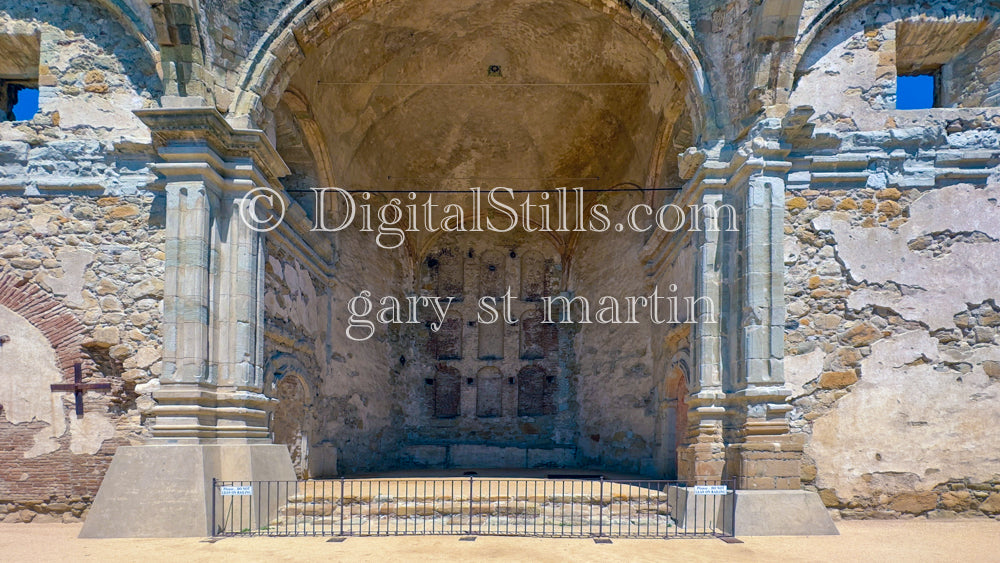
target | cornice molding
[{"x": 171, "y": 127}]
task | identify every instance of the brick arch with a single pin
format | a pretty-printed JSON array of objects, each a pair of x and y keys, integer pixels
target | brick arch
[
  {"x": 283, "y": 365},
  {"x": 61, "y": 327},
  {"x": 307, "y": 23}
]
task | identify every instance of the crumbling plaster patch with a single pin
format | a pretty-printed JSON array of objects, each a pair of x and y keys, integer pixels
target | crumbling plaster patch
[
  {"x": 946, "y": 421},
  {"x": 27, "y": 368},
  {"x": 301, "y": 302},
  {"x": 89, "y": 432},
  {"x": 74, "y": 264},
  {"x": 926, "y": 290},
  {"x": 803, "y": 368}
]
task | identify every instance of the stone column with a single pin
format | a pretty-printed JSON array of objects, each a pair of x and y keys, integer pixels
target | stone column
[
  {"x": 737, "y": 402},
  {"x": 185, "y": 301},
  {"x": 238, "y": 355},
  {"x": 737, "y": 406},
  {"x": 701, "y": 454},
  {"x": 211, "y": 390},
  {"x": 211, "y": 417},
  {"x": 761, "y": 452},
  {"x": 237, "y": 334}
]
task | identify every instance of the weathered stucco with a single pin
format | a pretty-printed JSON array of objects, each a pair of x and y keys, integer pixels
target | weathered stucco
[
  {"x": 962, "y": 221},
  {"x": 23, "y": 397},
  {"x": 856, "y": 352},
  {"x": 881, "y": 326},
  {"x": 946, "y": 419}
]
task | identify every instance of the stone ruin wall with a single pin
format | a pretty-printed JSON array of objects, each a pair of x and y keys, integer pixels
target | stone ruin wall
[
  {"x": 101, "y": 260},
  {"x": 891, "y": 254},
  {"x": 360, "y": 394},
  {"x": 918, "y": 341},
  {"x": 352, "y": 389},
  {"x": 617, "y": 392},
  {"x": 848, "y": 73},
  {"x": 462, "y": 404},
  {"x": 96, "y": 249},
  {"x": 375, "y": 401},
  {"x": 902, "y": 341},
  {"x": 296, "y": 308}
]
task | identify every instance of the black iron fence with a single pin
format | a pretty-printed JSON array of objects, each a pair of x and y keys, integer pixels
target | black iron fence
[{"x": 474, "y": 506}]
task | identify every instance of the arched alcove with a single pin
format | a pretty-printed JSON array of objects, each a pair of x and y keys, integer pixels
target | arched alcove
[{"x": 434, "y": 98}]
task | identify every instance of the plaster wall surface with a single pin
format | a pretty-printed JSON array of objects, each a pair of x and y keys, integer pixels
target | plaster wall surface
[{"x": 890, "y": 236}]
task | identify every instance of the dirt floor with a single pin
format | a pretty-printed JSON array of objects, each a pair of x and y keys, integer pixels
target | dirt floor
[{"x": 909, "y": 541}]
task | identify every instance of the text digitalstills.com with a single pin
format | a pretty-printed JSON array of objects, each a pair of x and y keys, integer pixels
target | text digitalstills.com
[{"x": 499, "y": 210}]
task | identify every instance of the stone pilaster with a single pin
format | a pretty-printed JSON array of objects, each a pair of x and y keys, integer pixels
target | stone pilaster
[
  {"x": 211, "y": 416},
  {"x": 240, "y": 265},
  {"x": 766, "y": 456},
  {"x": 760, "y": 451},
  {"x": 737, "y": 402},
  {"x": 708, "y": 286},
  {"x": 762, "y": 329},
  {"x": 213, "y": 359},
  {"x": 702, "y": 454},
  {"x": 185, "y": 302}
]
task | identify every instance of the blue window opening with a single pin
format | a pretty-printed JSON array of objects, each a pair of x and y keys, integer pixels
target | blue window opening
[
  {"x": 917, "y": 91},
  {"x": 20, "y": 102},
  {"x": 26, "y": 105}
]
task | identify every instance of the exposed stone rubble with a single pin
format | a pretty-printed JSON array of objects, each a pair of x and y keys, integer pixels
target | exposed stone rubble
[
  {"x": 96, "y": 257},
  {"x": 857, "y": 348},
  {"x": 874, "y": 324}
]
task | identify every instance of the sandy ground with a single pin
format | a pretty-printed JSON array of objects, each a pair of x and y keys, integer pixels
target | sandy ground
[{"x": 909, "y": 541}]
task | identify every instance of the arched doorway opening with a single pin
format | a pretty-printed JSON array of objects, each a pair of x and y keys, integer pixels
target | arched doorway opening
[{"x": 433, "y": 98}]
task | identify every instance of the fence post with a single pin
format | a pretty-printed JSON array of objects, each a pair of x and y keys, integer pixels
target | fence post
[
  {"x": 341, "y": 506},
  {"x": 600, "y": 514},
  {"x": 732, "y": 510},
  {"x": 471, "y": 495},
  {"x": 213, "y": 506}
]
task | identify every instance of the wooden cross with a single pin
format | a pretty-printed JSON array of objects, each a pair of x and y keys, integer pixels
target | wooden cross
[{"x": 78, "y": 387}]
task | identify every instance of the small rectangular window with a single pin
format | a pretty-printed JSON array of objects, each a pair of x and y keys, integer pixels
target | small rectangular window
[
  {"x": 918, "y": 91},
  {"x": 945, "y": 62},
  {"x": 19, "y": 65},
  {"x": 21, "y": 103}
]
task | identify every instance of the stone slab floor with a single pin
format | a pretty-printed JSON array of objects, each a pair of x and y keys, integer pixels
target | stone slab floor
[{"x": 872, "y": 540}]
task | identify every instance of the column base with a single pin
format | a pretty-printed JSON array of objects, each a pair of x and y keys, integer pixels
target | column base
[
  {"x": 757, "y": 513},
  {"x": 165, "y": 491},
  {"x": 782, "y": 513}
]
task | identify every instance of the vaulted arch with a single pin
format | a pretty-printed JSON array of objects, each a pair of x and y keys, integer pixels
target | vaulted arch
[{"x": 305, "y": 24}]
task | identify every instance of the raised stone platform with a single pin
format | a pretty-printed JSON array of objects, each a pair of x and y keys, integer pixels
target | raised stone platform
[
  {"x": 531, "y": 506},
  {"x": 539, "y": 506},
  {"x": 483, "y": 456},
  {"x": 782, "y": 513},
  {"x": 757, "y": 513},
  {"x": 164, "y": 491}
]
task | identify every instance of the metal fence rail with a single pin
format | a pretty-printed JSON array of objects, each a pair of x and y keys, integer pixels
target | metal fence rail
[{"x": 474, "y": 506}]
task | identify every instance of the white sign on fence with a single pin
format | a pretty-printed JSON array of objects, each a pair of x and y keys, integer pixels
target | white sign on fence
[
  {"x": 711, "y": 490},
  {"x": 236, "y": 491}
]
